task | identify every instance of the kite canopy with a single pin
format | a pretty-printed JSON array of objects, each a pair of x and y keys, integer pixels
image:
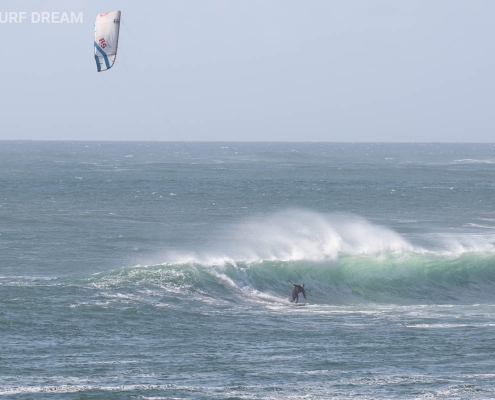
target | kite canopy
[{"x": 107, "y": 26}]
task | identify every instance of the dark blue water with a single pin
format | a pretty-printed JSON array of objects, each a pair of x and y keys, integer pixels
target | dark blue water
[{"x": 161, "y": 270}]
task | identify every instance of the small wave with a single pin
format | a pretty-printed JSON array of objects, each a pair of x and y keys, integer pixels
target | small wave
[
  {"x": 471, "y": 224},
  {"x": 474, "y": 161},
  {"x": 70, "y": 388}
]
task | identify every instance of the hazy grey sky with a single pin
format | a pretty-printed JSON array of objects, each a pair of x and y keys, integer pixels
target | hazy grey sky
[{"x": 242, "y": 70}]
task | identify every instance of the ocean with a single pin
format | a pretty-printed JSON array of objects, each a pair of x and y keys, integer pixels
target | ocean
[{"x": 141, "y": 270}]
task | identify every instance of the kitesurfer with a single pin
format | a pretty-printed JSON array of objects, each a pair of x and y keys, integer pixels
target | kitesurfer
[{"x": 295, "y": 292}]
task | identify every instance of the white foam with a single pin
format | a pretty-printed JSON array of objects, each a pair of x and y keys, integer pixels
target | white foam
[
  {"x": 460, "y": 244},
  {"x": 297, "y": 235},
  {"x": 77, "y": 388}
]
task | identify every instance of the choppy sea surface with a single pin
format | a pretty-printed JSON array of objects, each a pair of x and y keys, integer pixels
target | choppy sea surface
[{"x": 147, "y": 270}]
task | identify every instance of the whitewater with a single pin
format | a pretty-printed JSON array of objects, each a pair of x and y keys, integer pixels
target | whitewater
[{"x": 163, "y": 270}]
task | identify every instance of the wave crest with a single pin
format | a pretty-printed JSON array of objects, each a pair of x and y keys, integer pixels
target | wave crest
[{"x": 296, "y": 235}]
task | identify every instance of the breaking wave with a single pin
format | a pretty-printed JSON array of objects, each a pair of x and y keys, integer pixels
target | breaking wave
[{"x": 341, "y": 259}]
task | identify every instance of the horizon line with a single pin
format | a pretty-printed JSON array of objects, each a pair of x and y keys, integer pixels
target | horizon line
[{"x": 230, "y": 141}]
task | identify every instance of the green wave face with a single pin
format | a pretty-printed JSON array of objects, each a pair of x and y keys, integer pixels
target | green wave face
[{"x": 404, "y": 278}]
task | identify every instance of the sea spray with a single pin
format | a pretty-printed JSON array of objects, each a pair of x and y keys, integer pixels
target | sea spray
[{"x": 294, "y": 235}]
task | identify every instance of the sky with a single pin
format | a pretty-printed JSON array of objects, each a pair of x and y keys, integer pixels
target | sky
[{"x": 253, "y": 70}]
